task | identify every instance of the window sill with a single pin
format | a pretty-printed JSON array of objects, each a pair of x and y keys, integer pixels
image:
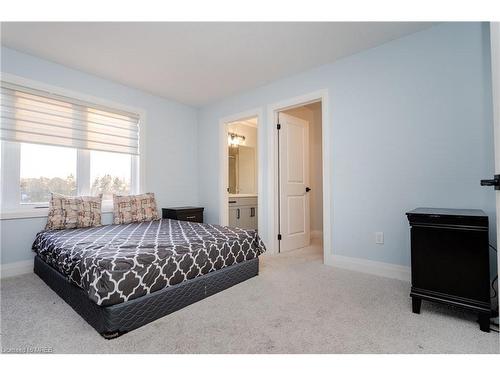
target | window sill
[
  {"x": 34, "y": 213},
  {"x": 24, "y": 214}
]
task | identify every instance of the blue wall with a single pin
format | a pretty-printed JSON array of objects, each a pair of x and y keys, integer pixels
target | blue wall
[
  {"x": 411, "y": 125},
  {"x": 171, "y": 149}
]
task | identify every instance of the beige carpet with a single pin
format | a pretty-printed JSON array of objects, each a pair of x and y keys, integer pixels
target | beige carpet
[{"x": 295, "y": 305}]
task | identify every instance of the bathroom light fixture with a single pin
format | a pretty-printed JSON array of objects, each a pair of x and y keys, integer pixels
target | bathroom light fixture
[{"x": 234, "y": 140}]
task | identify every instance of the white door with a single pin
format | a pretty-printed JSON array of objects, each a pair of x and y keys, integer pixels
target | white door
[
  {"x": 294, "y": 179},
  {"x": 495, "y": 73}
]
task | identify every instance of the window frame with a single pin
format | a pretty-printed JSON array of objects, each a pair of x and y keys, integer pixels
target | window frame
[{"x": 10, "y": 164}]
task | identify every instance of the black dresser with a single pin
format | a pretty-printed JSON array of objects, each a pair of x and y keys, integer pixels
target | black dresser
[
  {"x": 450, "y": 260},
  {"x": 187, "y": 213}
]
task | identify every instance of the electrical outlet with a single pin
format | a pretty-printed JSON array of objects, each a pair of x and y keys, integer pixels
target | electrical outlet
[{"x": 379, "y": 238}]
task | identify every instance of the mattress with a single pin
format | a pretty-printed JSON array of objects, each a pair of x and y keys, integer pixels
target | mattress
[{"x": 117, "y": 263}]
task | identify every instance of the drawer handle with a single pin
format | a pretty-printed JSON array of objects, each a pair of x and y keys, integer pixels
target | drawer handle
[
  {"x": 252, "y": 212},
  {"x": 232, "y": 201},
  {"x": 190, "y": 217},
  {"x": 237, "y": 213}
]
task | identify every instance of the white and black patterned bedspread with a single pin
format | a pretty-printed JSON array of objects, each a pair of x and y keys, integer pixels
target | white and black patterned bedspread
[{"x": 117, "y": 263}]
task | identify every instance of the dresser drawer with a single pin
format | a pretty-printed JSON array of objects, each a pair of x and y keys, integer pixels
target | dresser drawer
[
  {"x": 194, "y": 214},
  {"x": 191, "y": 216}
]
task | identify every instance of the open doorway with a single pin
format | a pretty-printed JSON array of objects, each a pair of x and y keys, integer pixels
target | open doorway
[
  {"x": 242, "y": 144},
  {"x": 322, "y": 147},
  {"x": 240, "y": 166},
  {"x": 300, "y": 176}
]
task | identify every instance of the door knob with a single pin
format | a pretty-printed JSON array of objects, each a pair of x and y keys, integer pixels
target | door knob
[
  {"x": 495, "y": 182},
  {"x": 308, "y": 189}
]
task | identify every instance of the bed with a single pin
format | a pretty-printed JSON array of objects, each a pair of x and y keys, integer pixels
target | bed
[{"x": 120, "y": 277}]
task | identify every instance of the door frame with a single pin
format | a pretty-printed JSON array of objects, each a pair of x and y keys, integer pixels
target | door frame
[
  {"x": 326, "y": 144},
  {"x": 495, "y": 85},
  {"x": 223, "y": 164}
]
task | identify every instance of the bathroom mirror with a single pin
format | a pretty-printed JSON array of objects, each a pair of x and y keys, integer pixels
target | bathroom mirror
[{"x": 242, "y": 170}]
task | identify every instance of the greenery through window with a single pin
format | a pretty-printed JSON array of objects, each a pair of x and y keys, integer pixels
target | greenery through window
[
  {"x": 53, "y": 169},
  {"x": 110, "y": 173},
  {"x": 46, "y": 169}
]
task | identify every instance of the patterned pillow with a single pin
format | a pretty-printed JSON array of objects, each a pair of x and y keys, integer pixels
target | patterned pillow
[
  {"x": 73, "y": 212},
  {"x": 134, "y": 208},
  {"x": 89, "y": 212},
  {"x": 63, "y": 212}
]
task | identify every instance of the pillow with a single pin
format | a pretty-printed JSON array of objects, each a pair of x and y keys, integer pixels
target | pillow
[
  {"x": 63, "y": 212},
  {"x": 89, "y": 212},
  {"x": 134, "y": 208},
  {"x": 73, "y": 212}
]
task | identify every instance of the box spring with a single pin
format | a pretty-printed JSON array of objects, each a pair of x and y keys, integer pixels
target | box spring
[{"x": 115, "y": 320}]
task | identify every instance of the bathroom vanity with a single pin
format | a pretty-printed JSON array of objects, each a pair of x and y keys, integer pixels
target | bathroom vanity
[{"x": 243, "y": 211}]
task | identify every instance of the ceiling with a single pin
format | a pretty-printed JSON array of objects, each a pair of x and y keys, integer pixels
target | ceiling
[{"x": 198, "y": 63}]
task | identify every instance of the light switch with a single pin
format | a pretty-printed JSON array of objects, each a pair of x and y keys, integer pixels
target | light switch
[{"x": 379, "y": 237}]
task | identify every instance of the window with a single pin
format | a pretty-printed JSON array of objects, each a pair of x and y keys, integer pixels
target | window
[
  {"x": 46, "y": 169},
  {"x": 52, "y": 143},
  {"x": 109, "y": 173}
]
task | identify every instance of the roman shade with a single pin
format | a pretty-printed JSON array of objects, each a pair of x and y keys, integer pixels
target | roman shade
[{"x": 35, "y": 116}]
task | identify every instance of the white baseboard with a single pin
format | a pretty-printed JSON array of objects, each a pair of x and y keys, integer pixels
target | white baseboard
[
  {"x": 316, "y": 234},
  {"x": 392, "y": 271},
  {"x": 16, "y": 268}
]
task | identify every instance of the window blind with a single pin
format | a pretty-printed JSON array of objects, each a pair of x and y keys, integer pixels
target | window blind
[{"x": 35, "y": 116}]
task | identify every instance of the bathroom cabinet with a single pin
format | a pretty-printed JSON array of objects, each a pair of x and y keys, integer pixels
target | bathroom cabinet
[{"x": 243, "y": 212}]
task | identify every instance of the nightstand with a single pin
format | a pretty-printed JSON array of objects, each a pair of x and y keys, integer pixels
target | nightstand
[
  {"x": 450, "y": 260},
  {"x": 187, "y": 213}
]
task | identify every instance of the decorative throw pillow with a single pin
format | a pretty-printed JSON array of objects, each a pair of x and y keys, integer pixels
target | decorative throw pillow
[
  {"x": 63, "y": 212},
  {"x": 146, "y": 207},
  {"x": 89, "y": 212},
  {"x": 134, "y": 208}
]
